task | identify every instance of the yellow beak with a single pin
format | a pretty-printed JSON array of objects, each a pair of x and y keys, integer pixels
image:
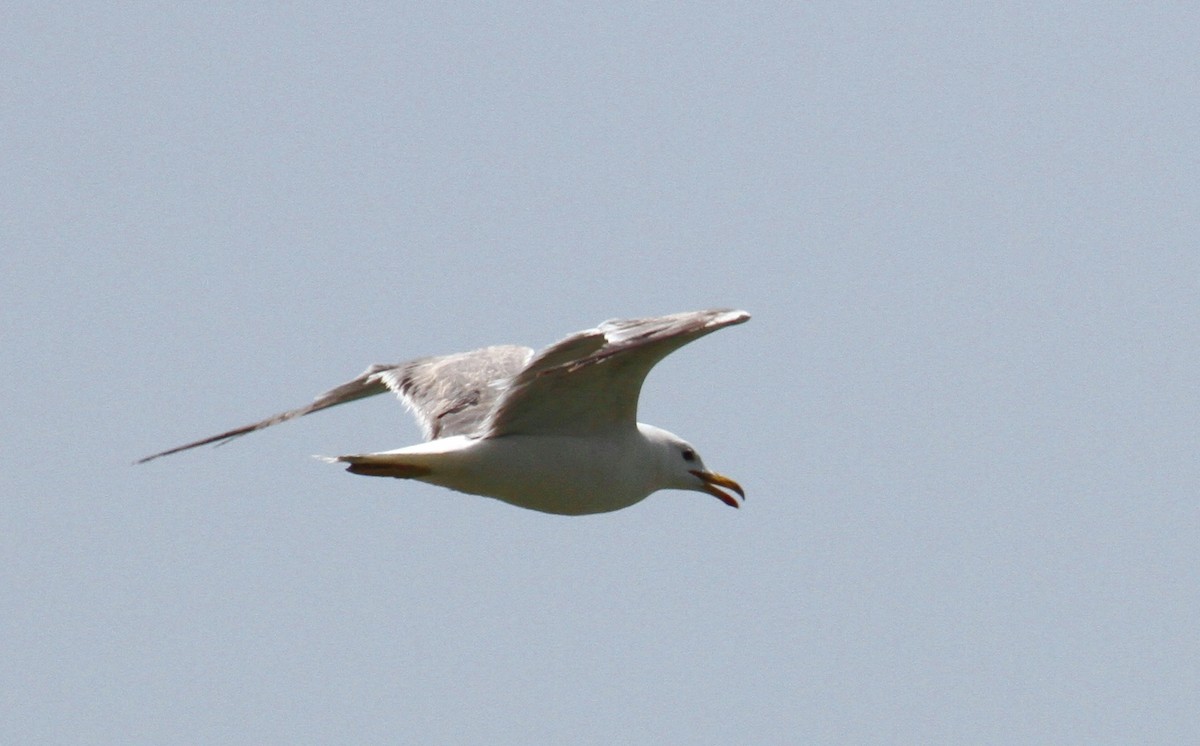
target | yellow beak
[{"x": 713, "y": 480}]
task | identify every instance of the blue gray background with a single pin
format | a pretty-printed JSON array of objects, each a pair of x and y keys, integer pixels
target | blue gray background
[{"x": 965, "y": 410}]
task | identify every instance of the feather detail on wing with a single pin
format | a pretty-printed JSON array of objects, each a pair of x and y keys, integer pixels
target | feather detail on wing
[
  {"x": 591, "y": 380},
  {"x": 365, "y": 385},
  {"x": 448, "y": 395},
  {"x": 453, "y": 394},
  {"x": 587, "y": 382}
]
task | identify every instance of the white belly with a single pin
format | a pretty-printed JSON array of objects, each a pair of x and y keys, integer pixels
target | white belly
[{"x": 552, "y": 474}]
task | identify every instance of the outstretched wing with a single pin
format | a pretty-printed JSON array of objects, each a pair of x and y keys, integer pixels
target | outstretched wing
[
  {"x": 453, "y": 394},
  {"x": 449, "y": 395},
  {"x": 590, "y": 381}
]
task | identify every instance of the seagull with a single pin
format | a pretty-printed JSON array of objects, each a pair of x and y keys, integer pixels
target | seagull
[{"x": 554, "y": 431}]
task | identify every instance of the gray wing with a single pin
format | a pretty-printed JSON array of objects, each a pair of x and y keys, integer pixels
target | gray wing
[
  {"x": 449, "y": 395},
  {"x": 591, "y": 380},
  {"x": 453, "y": 394}
]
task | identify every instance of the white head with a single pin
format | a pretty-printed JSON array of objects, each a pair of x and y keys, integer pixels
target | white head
[{"x": 681, "y": 468}]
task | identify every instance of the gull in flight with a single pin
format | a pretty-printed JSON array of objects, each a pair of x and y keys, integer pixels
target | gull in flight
[{"x": 554, "y": 431}]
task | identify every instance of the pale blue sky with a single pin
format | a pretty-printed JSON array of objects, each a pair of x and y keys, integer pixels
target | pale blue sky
[{"x": 965, "y": 411}]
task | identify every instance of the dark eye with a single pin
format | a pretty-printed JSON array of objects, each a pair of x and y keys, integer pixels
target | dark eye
[{"x": 689, "y": 454}]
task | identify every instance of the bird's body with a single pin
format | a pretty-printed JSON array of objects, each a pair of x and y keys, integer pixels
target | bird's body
[
  {"x": 554, "y": 431},
  {"x": 563, "y": 474}
]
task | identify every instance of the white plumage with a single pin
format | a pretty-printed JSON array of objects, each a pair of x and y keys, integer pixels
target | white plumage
[{"x": 555, "y": 431}]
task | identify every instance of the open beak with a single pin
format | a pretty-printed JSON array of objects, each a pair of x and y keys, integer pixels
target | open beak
[{"x": 712, "y": 481}]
